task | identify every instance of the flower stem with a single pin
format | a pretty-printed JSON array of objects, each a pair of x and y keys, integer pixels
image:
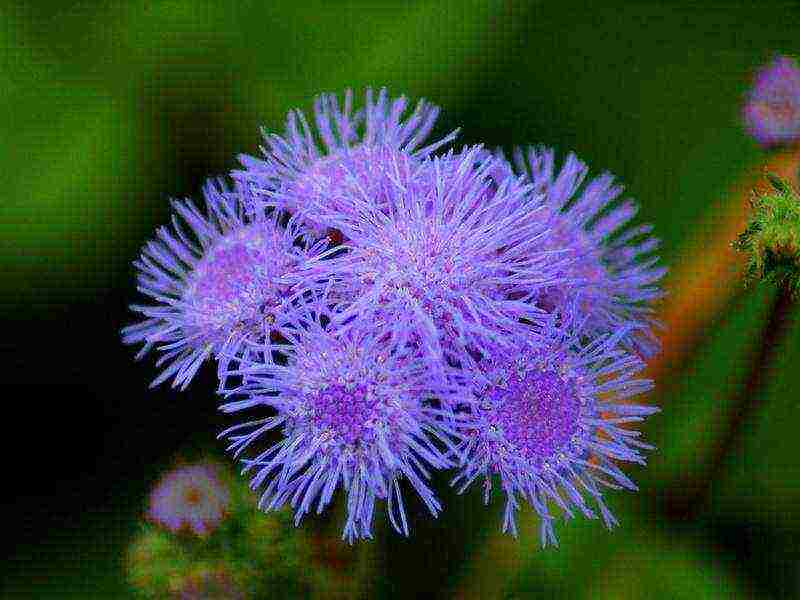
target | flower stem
[{"x": 690, "y": 493}]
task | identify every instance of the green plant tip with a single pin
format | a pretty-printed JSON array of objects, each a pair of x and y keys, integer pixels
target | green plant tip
[{"x": 772, "y": 236}]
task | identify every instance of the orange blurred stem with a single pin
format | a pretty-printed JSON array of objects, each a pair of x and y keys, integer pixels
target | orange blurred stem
[
  {"x": 707, "y": 274},
  {"x": 689, "y": 494}
]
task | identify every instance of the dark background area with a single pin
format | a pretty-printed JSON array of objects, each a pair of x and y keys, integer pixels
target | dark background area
[{"x": 108, "y": 109}]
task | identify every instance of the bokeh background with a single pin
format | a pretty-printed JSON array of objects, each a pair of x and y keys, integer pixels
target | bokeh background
[{"x": 110, "y": 108}]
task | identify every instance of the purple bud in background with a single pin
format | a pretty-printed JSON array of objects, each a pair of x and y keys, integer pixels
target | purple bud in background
[
  {"x": 216, "y": 279},
  {"x": 772, "y": 109}
]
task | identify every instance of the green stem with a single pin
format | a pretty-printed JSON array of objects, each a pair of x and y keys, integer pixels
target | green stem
[{"x": 689, "y": 494}]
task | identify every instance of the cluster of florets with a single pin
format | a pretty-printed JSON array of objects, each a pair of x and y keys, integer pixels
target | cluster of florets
[{"x": 387, "y": 309}]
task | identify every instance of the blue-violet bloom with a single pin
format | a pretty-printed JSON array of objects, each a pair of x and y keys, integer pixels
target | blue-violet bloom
[
  {"x": 550, "y": 423},
  {"x": 613, "y": 266},
  {"x": 456, "y": 264},
  {"x": 356, "y": 410},
  {"x": 218, "y": 286}
]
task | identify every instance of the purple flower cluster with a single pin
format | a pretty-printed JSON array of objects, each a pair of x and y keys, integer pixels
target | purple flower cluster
[
  {"x": 772, "y": 109},
  {"x": 385, "y": 309}
]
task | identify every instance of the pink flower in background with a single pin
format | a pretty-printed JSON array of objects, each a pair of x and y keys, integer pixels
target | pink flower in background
[
  {"x": 772, "y": 109},
  {"x": 190, "y": 497}
]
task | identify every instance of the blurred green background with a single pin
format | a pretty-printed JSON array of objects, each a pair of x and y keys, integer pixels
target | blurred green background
[{"x": 108, "y": 109}]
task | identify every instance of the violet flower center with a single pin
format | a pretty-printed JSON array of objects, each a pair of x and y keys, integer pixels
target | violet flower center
[
  {"x": 537, "y": 413},
  {"x": 235, "y": 281},
  {"x": 348, "y": 412}
]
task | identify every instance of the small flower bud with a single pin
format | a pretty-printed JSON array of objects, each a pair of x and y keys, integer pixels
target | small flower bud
[{"x": 772, "y": 236}]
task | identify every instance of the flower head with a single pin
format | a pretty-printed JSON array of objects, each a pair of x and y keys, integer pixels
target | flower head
[
  {"x": 390, "y": 311},
  {"x": 454, "y": 263},
  {"x": 612, "y": 264},
  {"x": 355, "y": 411},
  {"x": 547, "y": 421},
  {"x": 298, "y": 176},
  {"x": 217, "y": 287},
  {"x": 190, "y": 497},
  {"x": 772, "y": 109}
]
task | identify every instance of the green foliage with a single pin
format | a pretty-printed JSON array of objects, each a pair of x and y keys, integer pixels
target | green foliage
[
  {"x": 772, "y": 237},
  {"x": 155, "y": 562}
]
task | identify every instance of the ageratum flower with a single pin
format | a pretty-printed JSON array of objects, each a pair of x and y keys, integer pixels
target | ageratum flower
[
  {"x": 190, "y": 497},
  {"x": 613, "y": 263},
  {"x": 354, "y": 412},
  {"x": 297, "y": 176},
  {"x": 455, "y": 263},
  {"x": 218, "y": 286},
  {"x": 772, "y": 109},
  {"x": 548, "y": 422}
]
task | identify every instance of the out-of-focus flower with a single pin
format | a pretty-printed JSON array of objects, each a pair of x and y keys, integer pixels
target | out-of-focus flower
[
  {"x": 296, "y": 175},
  {"x": 191, "y": 498},
  {"x": 353, "y": 406},
  {"x": 612, "y": 264},
  {"x": 772, "y": 237},
  {"x": 217, "y": 287},
  {"x": 772, "y": 108},
  {"x": 548, "y": 421},
  {"x": 205, "y": 538},
  {"x": 456, "y": 266}
]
